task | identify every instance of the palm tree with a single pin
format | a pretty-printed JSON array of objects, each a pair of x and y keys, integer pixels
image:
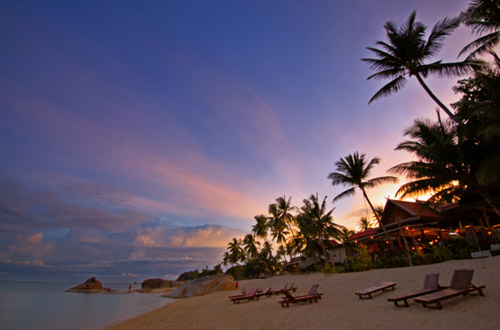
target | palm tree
[
  {"x": 345, "y": 233},
  {"x": 318, "y": 222},
  {"x": 282, "y": 208},
  {"x": 484, "y": 17},
  {"x": 260, "y": 229},
  {"x": 364, "y": 223},
  {"x": 277, "y": 225},
  {"x": 283, "y": 220},
  {"x": 251, "y": 246},
  {"x": 444, "y": 167},
  {"x": 405, "y": 53},
  {"x": 379, "y": 212},
  {"x": 235, "y": 251},
  {"x": 353, "y": 171}
]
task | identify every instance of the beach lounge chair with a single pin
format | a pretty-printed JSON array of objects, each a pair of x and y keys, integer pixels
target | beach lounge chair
[
  {"x": 460, "y": 286},
  {"x": 430, "y": 285},
  {"x": 381, "y": 287},
  {"x": 310, "y": 296},
  {"x": 249, "y": 295},
  {"x": 281, "y": 290},
  {"x": 292, "y": 287},
  {"x": 267, "y": 292},
  {"x": 314, "y": 291}
]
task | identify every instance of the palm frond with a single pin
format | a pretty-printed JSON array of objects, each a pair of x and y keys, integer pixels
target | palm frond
[
  {"x": 348, "y": 192},
  {"x": 390, "y": 88}
]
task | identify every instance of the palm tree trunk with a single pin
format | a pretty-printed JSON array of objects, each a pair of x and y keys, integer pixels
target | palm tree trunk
[
  {"x": 487, "y": 198},
  {"x": 377, "y": 217},
  {"x": 431, "y": 94}
]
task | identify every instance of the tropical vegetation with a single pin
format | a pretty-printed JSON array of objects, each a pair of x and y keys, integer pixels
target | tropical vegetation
[{"x": 452, "y": 159}]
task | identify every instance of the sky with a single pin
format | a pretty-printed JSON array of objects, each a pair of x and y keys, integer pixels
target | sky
[{"x": 139, "y": 137}]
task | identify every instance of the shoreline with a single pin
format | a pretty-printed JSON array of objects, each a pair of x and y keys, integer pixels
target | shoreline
[{"x": 339, "y": 307}]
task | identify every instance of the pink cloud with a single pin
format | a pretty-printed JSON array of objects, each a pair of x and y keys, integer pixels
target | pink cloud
[{"x": 28, "y": 250}]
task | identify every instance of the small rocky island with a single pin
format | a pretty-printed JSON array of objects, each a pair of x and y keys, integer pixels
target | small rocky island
[{"x": 90, "y": 286}]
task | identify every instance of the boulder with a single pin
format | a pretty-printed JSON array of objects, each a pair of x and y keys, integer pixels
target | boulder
[
  {"x": 155, "y": 283},
  {"x": 204, "y": 285},
  {"x": 91, "y": 285}
]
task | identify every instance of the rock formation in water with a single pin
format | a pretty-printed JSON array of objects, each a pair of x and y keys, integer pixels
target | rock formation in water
[{"x": 91, "y": 285}]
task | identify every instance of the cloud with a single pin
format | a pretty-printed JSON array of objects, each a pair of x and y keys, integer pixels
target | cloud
[
  {"x": 129, "y": 275},
  {"x": 198, "y": 236},
  {"x": 29, "y": 250},
  {"x": 23, "y": 210}
]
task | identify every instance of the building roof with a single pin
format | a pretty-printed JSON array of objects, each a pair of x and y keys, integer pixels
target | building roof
[
  {"x": 397, "y": 211},
  {"x": 363, "y": 234}
]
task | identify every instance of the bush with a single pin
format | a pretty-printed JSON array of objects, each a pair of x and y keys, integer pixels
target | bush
[
  {"x": 363, "y": 261},
  {"x": 393, "y": 261}
]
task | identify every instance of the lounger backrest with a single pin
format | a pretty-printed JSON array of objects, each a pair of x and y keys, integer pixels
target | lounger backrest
[
  {"x": 461, "y": 279},
  {"x": 313, "y": 290},
  {"x": 251, "y": 292},
  {"x": 431, "y": 281},
  {"x": 288, "y": 295}
]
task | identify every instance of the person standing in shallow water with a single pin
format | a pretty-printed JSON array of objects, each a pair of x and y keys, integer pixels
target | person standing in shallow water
[{"x": 129, "y": 287}]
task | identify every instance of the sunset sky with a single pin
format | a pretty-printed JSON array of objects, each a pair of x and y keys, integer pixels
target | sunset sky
[{"x": 139, "y": 137}]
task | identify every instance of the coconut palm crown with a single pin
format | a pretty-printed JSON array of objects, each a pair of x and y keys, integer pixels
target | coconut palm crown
[
  {"x": 353, "y": 171},
  {"x": 484, "y": 18},
  {"x": 405, "y": 53}
]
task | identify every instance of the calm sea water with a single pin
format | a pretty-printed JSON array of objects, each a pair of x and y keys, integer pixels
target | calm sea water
[{"x": 27, "y": 305}]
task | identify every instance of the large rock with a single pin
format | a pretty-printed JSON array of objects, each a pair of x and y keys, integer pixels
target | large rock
[
  {"x": 155, "y": 283},
  {"x": 91, "y": 285},
  {"x": 203, "y": 286}
]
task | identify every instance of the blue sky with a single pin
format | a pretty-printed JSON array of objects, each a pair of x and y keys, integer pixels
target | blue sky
[{"x": 138, "y": 138}]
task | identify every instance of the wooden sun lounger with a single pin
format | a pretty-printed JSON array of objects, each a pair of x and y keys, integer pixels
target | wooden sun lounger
[
  {"x": 430, "y": 285},
  {"x": 312, "y": 295},
  {"x": 460, "y": 286},
  {"x": 382, "y": 287},
  {"x": 267, "y": 292},
  {"x": 286, "y": 288},
  {"x": 250, "y": 295}
]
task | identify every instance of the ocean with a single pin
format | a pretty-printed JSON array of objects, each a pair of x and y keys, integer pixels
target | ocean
[{"x": 44, "y": 306}]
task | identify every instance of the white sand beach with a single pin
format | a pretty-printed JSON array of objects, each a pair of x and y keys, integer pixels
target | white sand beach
[{"x": 340, "y": 308}]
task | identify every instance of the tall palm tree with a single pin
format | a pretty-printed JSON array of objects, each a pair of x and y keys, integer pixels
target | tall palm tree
[
  {"x": 444, "y": 167},
  {"x": 261, "y": 227},
  {"x": 379, "y": 212},
  {"x": 283, "y": 220},
  {"x": 318, "y": 221},
  {"x": 405, "y": 54},
  {"x": 277, "y": 225},
  {"x": 251, "y": 246},
  {"x": 235, "y": 251},
  {"x": 283, "y": 209},
  {"x": 484, "y": 17},
  {"x": 353, "y": 171},
  {"x": 345, "y": 233},
  {"x": 364, "y": 223}
]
